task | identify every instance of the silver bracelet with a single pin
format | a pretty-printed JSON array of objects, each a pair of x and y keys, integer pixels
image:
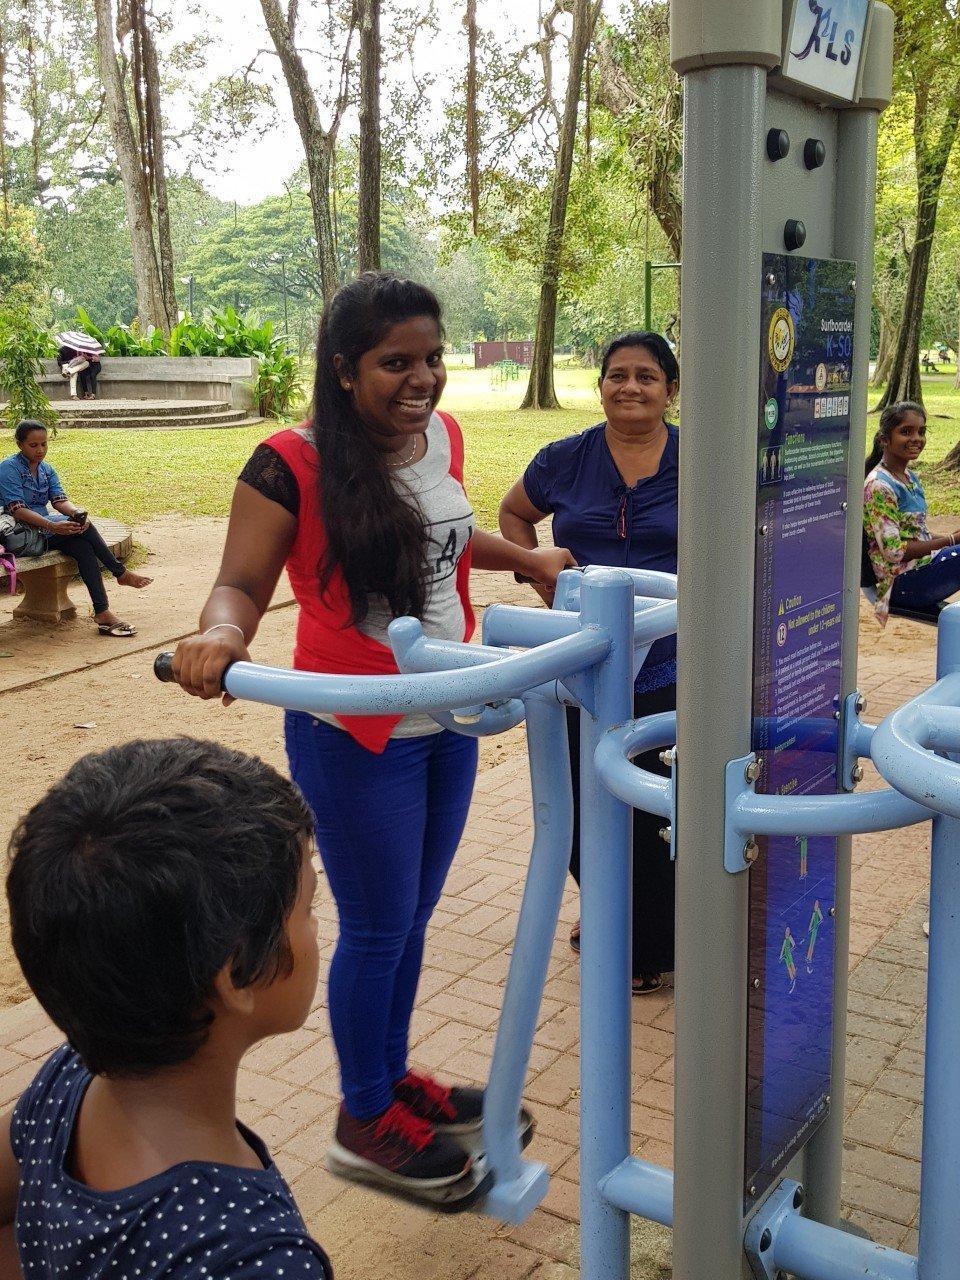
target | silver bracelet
[{"x": 217, "y": 625}]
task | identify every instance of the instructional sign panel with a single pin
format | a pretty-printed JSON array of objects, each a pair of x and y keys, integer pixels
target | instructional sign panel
[{"x": 803, "y": 430}]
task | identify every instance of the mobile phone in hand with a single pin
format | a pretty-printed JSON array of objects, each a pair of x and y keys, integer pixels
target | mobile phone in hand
[{"x": 80, "y": 517}]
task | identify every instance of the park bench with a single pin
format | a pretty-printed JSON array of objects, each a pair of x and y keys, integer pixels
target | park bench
[
  {"x": 505, "y": 371},
  {"x": 928, "y": 365},
  {"x": 45, "y": 578}
]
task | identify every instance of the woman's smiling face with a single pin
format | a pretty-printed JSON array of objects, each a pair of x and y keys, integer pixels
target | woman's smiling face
[
  {"x": 634, "y": 389},
  {"x": 907, "y": 440},
  {"x": 397, "y": 383}
]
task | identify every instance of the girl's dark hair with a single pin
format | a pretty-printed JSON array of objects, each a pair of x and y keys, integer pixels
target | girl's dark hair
[
  {"x": 375, "y": 538},
  {"x": 891, "y": 417},
  {"x": 658, "y": 347},
  {"x": 25, "y": 427},
  {"x": 141, "y": 874}
]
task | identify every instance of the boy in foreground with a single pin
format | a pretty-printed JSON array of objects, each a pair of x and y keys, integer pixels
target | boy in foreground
[{"x": 161, "y": 910}]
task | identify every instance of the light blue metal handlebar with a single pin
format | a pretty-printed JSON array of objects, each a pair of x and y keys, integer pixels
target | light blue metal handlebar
[
  {"x": 770, "y": 815},
  {"x": 636, "y": 786},
  {"x": 416, "y": 653},
  {"x": 844, "y": 813},
  {"x": 493, "y": 681},
  {"x": 903, "y": 747}
]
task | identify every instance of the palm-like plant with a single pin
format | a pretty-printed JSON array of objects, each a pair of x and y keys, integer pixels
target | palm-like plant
[{"x": 22, "y": 346}]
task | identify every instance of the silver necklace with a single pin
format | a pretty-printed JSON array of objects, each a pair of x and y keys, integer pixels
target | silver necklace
[{"x": 408, "y": 459}]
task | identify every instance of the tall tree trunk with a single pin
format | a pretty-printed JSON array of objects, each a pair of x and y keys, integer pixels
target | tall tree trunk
[
  {"x": 153, "y": 146},
  {"x": 32, "y": 95},
  {"x": 318, "y": 142},
  {"x": 541, "y": 393},
  {"x": 150, "y": 302},
  {"x": 885, "y": 348},
  {"x": 4, "y": 172},
  {"x": 904, "y": 379},
  {"x": 368, "y": 203},
  {"x": 652, "y": 115},
  {"x": 932, "y": 161},
  {"x": 472, "y": 141}
]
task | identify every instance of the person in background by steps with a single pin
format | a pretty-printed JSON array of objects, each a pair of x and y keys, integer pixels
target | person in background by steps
[{"x": 78, "y": 359}]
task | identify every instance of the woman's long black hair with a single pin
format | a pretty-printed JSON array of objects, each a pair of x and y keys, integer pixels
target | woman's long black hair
[
  {"x": 891, "y": 417},
  {"x": 375, "y": 538}
]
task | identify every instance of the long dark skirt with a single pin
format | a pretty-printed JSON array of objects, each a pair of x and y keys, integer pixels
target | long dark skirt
[{"x": 653, "y": 870}]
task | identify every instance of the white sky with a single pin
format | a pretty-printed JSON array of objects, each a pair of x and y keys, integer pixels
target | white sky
[{"x": 238, "y": 26}]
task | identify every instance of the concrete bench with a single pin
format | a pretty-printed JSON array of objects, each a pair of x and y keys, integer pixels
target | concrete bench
[
  {"x": 45, "y": 578},
  {"x": 229, "y": 379}
]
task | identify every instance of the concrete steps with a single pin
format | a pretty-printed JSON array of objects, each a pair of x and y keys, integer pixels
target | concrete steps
[{"x": 151, "y": 415}]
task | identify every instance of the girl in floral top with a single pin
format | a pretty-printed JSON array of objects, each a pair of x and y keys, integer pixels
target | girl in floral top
[{"x": 914, "y": 569}]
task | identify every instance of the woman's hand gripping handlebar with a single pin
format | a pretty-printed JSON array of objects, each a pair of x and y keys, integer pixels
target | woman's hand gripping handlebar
[{"x": 200, "y": 662}]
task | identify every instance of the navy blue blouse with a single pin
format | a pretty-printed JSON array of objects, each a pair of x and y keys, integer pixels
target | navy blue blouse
[
  {"x": 601, "y": 520},
  {"x": 197, "y": 1221}
]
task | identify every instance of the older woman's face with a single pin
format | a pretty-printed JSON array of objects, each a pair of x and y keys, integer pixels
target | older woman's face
[
  {"x": 634, "y": 390},
  {"x": 34, "y": 447}
]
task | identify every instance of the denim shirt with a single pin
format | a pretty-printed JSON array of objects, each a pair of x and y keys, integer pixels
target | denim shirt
[{"x": 19, "y": 487}]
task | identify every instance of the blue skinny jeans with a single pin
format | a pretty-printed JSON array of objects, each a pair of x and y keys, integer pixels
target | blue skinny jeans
[
  {"x": 920, "y": 588},
  {"x": 387, "y": 829}
]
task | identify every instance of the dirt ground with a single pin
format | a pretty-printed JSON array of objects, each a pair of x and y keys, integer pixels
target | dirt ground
[{"x": 65, "y": 690}]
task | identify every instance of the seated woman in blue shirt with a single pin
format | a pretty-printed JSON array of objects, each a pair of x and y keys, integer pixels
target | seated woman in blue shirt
[
  {"x": 612, "y": 493},
  {"x": 31, "y": 492}
]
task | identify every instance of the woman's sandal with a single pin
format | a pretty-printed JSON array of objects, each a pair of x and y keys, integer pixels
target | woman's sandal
[
  {"x": 121, "y": 629},
  {"x": 646, "y": 984}
]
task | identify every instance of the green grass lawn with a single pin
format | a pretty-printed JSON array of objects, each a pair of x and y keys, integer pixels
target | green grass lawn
[{"x": 133, "y": 475}]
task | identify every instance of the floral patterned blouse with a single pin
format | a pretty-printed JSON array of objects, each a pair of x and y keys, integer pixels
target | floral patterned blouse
[{"x": 893, "y": 513}]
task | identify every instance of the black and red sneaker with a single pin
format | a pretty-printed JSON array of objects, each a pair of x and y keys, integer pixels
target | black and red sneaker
[
  {"x": 454, "y": 1110},
  {"x": 397, "y": 1148}
]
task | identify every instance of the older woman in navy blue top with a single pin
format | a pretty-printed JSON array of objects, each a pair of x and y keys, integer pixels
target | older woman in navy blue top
[{"x": 612, "y": 493}]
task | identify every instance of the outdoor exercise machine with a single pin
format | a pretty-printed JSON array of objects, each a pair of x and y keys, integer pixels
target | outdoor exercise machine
[
  {"x": 585, "y": 652},
  {"x": 781, "y": 107}
]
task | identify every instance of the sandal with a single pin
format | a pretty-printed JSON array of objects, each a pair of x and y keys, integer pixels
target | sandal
[
  {"x": 575, "y": 937},
  {"x": 645, "y": 984},
  {"x": 121, "y": 629}
]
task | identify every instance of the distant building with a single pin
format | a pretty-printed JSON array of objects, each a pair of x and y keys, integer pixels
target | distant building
[{"x": 488, "y": 353}]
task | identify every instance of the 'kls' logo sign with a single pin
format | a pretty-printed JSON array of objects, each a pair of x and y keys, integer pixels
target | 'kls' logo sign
[{"x": 824, "y": 35}]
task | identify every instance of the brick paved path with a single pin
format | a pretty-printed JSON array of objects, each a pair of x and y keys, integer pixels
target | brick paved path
[{"x": 289, "y": 1085}]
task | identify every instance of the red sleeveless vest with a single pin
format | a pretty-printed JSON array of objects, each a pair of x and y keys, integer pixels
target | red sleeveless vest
[{"x": 326, "y": 641}]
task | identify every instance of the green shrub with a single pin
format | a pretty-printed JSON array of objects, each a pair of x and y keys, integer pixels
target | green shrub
[
  {"x": 22, "y": 346},
  {"x": 279, "y": 385}
]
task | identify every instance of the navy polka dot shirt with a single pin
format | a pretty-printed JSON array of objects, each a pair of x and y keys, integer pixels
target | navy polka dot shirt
[{"x": 196, "y": 1221}]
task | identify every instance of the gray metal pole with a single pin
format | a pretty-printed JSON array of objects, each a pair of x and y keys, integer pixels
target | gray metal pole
[
  {"x": 854, "y": 222},
  {"x": 721, "y": 340}
]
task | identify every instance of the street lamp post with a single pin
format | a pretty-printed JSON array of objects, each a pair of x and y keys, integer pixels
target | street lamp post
[
  {"x": 279, "y": 260},
  {"x": 188, "y": 281}
]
